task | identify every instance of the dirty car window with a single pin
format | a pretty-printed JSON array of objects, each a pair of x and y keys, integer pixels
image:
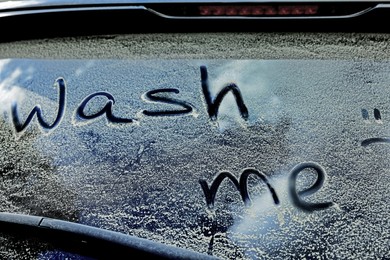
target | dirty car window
[{"x": 234, "y": 158}]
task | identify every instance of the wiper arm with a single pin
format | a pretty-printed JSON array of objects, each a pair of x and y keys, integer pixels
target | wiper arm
[{"x": 90, "y": 241}]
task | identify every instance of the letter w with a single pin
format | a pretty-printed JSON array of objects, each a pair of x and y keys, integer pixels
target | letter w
[{"x": 19, "y": 127}]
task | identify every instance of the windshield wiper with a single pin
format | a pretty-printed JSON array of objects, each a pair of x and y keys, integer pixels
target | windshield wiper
[{"x": 90, "y": 241}]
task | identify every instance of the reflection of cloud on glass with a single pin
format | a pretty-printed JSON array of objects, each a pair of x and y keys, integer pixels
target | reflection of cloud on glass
[
  {"x": 263, "y": 218},
  {"x": 9, "y": 91},
  {"x": 18, "y": 4},
  {"x": 20, "y": 104},
  {"x": 81, "y": 70},
  {"x": 251, "y": 77},
  {"x": 263, "y": 207},
  {"x": 244, "y": 73}
]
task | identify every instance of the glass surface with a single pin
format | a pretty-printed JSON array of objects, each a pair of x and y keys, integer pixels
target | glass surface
[{"x": 291, "y": 162}]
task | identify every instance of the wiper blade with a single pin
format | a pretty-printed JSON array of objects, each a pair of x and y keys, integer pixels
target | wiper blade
[{"x": 90, "y": 241}]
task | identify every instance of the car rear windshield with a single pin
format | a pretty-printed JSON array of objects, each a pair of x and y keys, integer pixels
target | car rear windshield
[{"x": 236, "y": 145}]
